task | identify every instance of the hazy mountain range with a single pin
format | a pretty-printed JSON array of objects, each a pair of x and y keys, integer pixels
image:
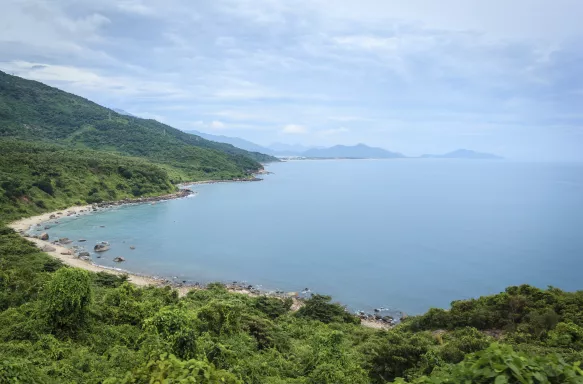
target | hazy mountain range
[{"x": 359, "y": 151}]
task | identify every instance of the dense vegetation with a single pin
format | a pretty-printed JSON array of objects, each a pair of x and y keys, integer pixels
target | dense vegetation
[
  {"x": 39, "y": 177},
  {"x": 32, "y": 111}
]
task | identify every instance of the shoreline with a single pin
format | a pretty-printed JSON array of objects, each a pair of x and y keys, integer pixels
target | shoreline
[{"x": 68, "y": 256}]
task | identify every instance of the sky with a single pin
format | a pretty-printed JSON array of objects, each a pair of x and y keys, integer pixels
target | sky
[{"x": 415, "y": 76}]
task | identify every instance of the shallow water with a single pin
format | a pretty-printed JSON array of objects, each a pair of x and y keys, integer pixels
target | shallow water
[{"x": 402, "y": 234}]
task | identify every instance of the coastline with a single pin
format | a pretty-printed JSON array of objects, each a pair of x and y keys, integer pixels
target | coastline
[{"x": 68, "y": 257}]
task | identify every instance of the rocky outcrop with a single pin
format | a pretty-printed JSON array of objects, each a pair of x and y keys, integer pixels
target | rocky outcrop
[{"x": 101, "y": 248}]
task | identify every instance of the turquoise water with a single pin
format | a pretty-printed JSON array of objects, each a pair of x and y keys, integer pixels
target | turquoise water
[{"x": 402, "y": 234}]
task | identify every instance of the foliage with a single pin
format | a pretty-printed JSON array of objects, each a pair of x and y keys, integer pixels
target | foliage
[
  {"x": 31, "y": 173},
  {"x": 500, "y": 364},
  {"x": 67, "y": 298},
  {"x": 318, "y": 307}
]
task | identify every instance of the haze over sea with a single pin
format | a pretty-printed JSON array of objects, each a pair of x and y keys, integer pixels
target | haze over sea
[{"x": 405, "y": 234}]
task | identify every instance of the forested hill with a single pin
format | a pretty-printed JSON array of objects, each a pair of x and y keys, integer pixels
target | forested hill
[
  {"x": 30, "y": 110},
  {"x": 36, "y": 177}
]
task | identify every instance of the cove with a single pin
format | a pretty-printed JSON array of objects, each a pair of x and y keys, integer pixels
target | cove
[{"x": 402, "y": 234}]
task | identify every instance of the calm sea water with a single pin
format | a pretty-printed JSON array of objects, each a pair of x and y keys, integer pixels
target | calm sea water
[{"x": 402, "y": 234}]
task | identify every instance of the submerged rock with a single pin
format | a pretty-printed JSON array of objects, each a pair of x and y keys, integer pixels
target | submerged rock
[
  {"x": 132, "y": 247},
  {"x": 81, "y": 240}
]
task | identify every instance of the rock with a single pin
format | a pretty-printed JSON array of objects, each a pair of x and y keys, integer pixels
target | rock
[
  {"x": 81, "y": 240},
  {"x": 101, "y": 248},
  {"x": 119, "y": 259},
  {"x": 51, "y": 217},
  {"x": 48, "y": 248},
  {"x": 65, "y": 240},
  {"x": 388, "y": 319},
  {"x": 47, "y": 227},
  {"x": 44, "y": 236},
  {"x": 59, "y": 213},
  {"x": 67, "y": 252},
  {"x": 102, "y": 226},
  {"x": 84, "y": 254},
  {"x": 132, "y": 247}
]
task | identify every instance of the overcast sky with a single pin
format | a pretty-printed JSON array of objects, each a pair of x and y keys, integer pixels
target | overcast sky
[{"x": 414, "y": 76}]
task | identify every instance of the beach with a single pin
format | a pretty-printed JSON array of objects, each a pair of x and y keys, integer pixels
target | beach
[{"x": 69, "y": 258}]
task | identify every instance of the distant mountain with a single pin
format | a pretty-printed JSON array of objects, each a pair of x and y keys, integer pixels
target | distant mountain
[
  {"x": 359, "y": 151},
  {"x": 122, "y": 112},
  {"x": 464, "y": 154},
  {"x": 289, "y": 149},
  {"x": 234, "y": 141}
]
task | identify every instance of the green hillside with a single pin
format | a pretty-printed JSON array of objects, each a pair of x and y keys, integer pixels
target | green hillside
[
  {"x": 36, "y": 177},
  {"x": 32, "y": 111}
]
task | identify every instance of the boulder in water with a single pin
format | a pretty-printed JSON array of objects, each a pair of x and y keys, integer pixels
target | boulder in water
[
  {"x": 44, "y": 236},
  {"x": 101, "y": 248},
  {"x": 119, "y": 259}
]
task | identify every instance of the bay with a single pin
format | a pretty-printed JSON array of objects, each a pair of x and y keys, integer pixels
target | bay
[{"x": 404, "y": 234}]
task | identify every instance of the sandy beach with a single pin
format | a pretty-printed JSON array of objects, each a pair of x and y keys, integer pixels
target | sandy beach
[
  {"x": 64, "y": 254},
  {"x": 68, "y": 257}
]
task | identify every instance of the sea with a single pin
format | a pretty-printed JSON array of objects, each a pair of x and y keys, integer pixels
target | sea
[{"x": 400, "y": 234}]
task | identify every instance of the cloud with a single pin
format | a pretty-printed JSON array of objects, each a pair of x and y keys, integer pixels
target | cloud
[
  {"x": 390, "y": 73},
  {"x": 334, "y": 131},
  {"x": 294, "y": 129},
  {"x": 217, "y": 125}
]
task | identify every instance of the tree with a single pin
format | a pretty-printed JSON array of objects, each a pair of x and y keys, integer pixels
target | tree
[
  {"x": 318, "y": 307},
  {"x": 67, "y": 299}
]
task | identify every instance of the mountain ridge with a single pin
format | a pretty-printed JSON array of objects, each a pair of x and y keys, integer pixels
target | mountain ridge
[
  {"x": 358, "y": 151},
  {"x": 33, "y": 111}
]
